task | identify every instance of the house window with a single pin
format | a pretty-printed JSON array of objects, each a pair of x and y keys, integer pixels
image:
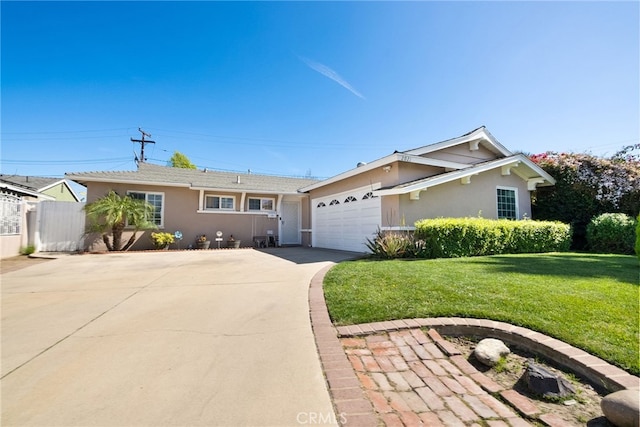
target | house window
[
  {"x": 350, "y": 199},
  {"x": 507, "y": 203},
  {"x": 11, "y": 218},
  {"x": 154, "y": 199},
  {"x": 321, "y": 205},
  {"x": 219, "y": 202},
  {"x": 334, "y": 202},
  {"x": 256, "y": 204},
  {"x": 369, "y": 195}
]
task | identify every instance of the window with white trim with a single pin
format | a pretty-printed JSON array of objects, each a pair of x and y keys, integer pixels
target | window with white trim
[
  {"x": 321, "y": 205},
  {"x": 219, "y": 203},
  {"x": 369, "y": 195},
  {"x": 154, "y": 199},
  {"x": 261, "y": 204},
  {"x": 507, "y": 200},
  {"x": 350, "y": 199},
  {"x": 334, "y": 202}
]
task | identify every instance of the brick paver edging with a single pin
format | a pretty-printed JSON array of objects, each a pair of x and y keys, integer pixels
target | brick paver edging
[{"x": 344, "y": 386}]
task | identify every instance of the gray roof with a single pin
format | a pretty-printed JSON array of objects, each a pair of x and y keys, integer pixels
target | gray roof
[
  {"x": 36, "y": 183},
  {"x": 150, "y": 174}
]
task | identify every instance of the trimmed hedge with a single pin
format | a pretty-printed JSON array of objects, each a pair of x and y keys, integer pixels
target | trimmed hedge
[
  {"x": 612, "y": 233},
  {"x": 461, "y": 237}
]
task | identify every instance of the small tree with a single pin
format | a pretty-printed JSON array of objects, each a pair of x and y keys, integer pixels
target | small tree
[
  {"x": 110, "y": 215},
  {"x": 179, "y": 160}
]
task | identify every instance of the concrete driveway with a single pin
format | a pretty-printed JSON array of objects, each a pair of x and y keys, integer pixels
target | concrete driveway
[{"x": 163, "y": 338}]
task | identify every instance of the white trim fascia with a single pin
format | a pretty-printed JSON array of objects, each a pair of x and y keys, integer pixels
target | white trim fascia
[
  {"x": 249, "y": 191},
  {"x": 395, "y": 157},
  {"x": 25, "y": 191},
  {"x": 391, "y": 158},
  {"x": 46, "y": 187},
  {"x": 229, "y": 212},
  {"x": 480, "y": 134},
  {"x": 66, "y": 184},
  {"x": 411, "y": 158},
  {"x": 452, "y": 176},
  {"x": 126, "y": 181}
]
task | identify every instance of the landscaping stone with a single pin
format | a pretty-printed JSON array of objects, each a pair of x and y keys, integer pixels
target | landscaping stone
[
  {"x": 490, "y": 350},
  {"x": 545, "y": 383},
  {"x": 622, "y": 408}
]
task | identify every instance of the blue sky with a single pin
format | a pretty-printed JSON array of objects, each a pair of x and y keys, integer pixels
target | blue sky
[{"x": 299, "y": 88}]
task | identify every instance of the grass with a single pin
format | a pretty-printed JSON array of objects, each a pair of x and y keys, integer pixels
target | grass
[{"x": 589, "y": 301}]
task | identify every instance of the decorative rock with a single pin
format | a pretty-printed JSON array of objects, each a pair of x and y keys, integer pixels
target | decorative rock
[
  {"x": 622, "y": 408},
  {"x": 490, "y": 350},
  {"x": 545, "y": 383}
]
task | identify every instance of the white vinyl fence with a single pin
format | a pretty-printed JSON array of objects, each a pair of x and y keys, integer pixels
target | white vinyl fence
[{"x": 59, "y": 226}]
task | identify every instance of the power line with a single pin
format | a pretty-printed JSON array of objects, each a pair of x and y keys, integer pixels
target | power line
[{"x": 62, "y": 162}]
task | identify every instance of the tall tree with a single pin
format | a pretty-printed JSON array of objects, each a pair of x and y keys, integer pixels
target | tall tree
[
  {"x": 587, "y": 186},
  {"x": 179, "y": 160},
  {"x": 110, "y": 215}
]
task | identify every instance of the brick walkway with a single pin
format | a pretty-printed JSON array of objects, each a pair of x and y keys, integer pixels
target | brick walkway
[
  {"x": 395, "y": 374},
  {"x": 414, "y": 379}
]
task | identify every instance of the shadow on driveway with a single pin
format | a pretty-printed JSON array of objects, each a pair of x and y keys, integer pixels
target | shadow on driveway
[{"x": 300, "y": 255}]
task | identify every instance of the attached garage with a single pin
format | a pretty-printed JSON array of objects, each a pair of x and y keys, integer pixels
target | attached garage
[{"x": 345, "y": 220}]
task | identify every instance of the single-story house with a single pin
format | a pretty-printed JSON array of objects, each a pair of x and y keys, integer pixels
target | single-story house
[{"x": 470, "y": 175}]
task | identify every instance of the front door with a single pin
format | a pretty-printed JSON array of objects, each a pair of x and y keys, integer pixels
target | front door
[{"x": 290, "y": 223}]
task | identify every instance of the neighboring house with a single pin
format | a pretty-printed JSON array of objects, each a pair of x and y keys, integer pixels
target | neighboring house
[
  {"x": 56, "y": 188},
  {"x": 14, "y": 207},
  {"x": 470, "y": 175},
  {"x": 19, "y": 198}
]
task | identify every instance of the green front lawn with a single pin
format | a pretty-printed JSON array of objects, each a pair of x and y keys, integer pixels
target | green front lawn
[{"x": 589, "y": 301}]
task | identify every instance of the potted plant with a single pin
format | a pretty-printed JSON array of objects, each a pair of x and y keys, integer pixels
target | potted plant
[
  {"x": 233, "y": 243},
  {"x": 162, "y": 240},
  {"x": 202, "y": 242}
]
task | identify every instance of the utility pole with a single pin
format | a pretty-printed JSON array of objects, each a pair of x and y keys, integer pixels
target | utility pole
[{"x": 143, "y": 141}]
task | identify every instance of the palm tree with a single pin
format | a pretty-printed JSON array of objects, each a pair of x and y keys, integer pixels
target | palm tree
[{"x": 111, "y": 213}]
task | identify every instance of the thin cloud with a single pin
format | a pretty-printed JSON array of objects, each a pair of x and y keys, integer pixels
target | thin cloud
[{"x": 328, "y": 72}]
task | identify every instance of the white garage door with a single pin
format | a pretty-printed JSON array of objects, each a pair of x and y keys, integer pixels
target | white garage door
[{"x": 344, "y": 221}]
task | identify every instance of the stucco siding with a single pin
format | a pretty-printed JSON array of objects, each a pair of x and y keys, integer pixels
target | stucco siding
[
  {"x": 369, "y": 178},
  {"x": 454, "y": 199},
  {"x": 462, "y": 154},
  {"x": 412, "y": 171},
  {"x": 181, "y": 214}
]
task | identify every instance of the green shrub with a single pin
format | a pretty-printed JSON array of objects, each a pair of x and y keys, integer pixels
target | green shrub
[
  {"x": 611, "y": 233},
  {"x": 162, "y": 240},
  {"x": 460, "y": 237},
  {"x": 27, "y": 250},
  {"x": 390, "y": 245},
  {"x": 638, "y": 237}
]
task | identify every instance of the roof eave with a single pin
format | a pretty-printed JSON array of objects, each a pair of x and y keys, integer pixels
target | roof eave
[
  {"x": 473, "y": 138},
  {"x": 353, "y": 172},
  {"x": 547, "y": 180}
]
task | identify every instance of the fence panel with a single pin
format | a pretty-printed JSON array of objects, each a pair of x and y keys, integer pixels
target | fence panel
[{"x": 60, "y": 226}]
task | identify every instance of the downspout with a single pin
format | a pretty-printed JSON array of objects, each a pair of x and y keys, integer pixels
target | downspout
[{"x": 279, "y": 217}]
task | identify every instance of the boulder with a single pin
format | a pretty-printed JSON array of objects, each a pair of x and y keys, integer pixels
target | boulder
[
  {"x": 545, "y": 383},
  {"x": 622, "y": 408},
  {"x": 490, "y": 350}
]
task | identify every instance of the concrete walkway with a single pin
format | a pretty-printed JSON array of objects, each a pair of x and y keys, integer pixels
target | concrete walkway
[{"x": 164, "y": 338}]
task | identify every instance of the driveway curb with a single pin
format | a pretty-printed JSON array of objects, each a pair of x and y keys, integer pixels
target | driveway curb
[{"x": 350, "y": 403}]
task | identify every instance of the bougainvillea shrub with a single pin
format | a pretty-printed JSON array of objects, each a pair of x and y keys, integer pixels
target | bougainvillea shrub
[{"x": 587, "y": 186}]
